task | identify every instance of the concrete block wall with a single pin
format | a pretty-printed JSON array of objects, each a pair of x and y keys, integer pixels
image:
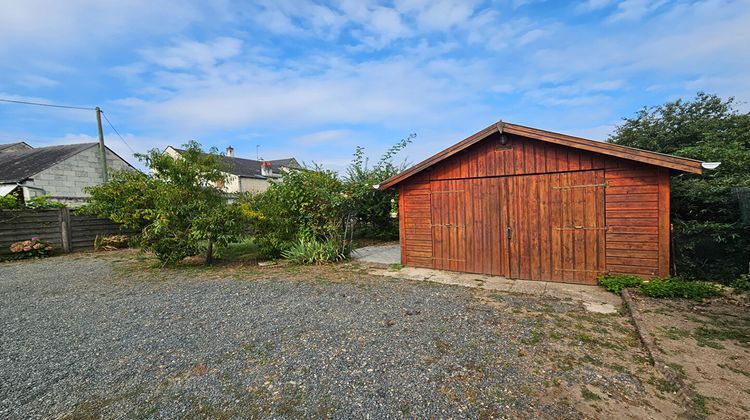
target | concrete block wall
[{"x": 68, "y": 178}]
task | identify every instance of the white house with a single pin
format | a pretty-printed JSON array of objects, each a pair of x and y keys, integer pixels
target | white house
[
  {"x": 247, "y": 175},
  {"x": 61, "y": 172}
]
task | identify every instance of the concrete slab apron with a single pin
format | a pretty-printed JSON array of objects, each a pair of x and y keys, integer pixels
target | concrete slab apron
[
  {"x": 593, "y": 298},
  {"x": 378, "y": 254}
]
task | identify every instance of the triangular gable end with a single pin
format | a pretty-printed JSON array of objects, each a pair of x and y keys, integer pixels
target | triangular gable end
[{"x": 609, "y": 149}]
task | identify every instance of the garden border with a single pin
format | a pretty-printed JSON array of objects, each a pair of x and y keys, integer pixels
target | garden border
[{"x": 671, "y": 375}]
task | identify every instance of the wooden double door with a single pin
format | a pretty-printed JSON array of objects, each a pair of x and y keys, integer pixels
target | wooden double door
[{"x": 547, "y": 227}]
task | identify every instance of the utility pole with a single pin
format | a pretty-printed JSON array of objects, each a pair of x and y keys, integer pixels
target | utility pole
[
  {"x": 257, "y": 152},
  {"x": 102, "y": 150}
]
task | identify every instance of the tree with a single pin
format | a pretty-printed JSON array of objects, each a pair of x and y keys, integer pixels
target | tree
[
  {"x": 710, "y": 238},
  {"x": 370, "y": 206},
  {"x": 177, "y": 206}
]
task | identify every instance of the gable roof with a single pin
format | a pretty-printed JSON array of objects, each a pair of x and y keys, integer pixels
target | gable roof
[
  {"x": 19, "y": 143},
  {"x": 249, "y": 168},
  {"x": 609, "y": 149},
  {"x": 20, "y": 165}
]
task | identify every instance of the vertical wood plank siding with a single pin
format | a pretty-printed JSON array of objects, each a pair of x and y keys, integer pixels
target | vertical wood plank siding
[{"x": 533, "y": 210}]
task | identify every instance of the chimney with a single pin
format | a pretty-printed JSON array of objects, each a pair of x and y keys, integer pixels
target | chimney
[
  {"x": 265, "y": 168},
  {"x": 230, "y": 151}
]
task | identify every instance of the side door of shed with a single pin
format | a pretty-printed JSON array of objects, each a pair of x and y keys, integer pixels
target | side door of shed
[
  {"x": 448, "y": 204},
  {"x": 466, "y": 225}
]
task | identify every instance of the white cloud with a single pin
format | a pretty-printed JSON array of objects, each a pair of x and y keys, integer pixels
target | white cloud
[
  {"x": 187, "y": 54},
  {"x": 630, "y": 10}
]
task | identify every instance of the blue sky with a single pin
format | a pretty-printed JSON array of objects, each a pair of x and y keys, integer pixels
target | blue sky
[{"x": 315, "y": 79}]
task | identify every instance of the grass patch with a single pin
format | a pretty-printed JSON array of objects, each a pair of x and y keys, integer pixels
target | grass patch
[
  {"x": 675, "y": 333},
  {"x": 671, "y": 288},
  {"x": 662, "y": 385},
  {"x": 395, "y": 266},
  {"x": 709, "y": 337},
  {"x": 534, "y": 338},
  {"x": 244, "y": 251},
  {"x": 589, "y": 395}
]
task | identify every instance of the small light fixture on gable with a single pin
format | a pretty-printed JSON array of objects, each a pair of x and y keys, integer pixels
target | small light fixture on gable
[{"x": 710, "y": 165}]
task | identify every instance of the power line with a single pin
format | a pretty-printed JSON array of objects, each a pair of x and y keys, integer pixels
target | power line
[
  {"x": 49, "y": 105},
  {"x": 117, "y": 132},
  {"x": 71, "y": 107}
]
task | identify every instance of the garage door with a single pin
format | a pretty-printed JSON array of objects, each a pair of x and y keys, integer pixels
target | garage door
[
  {"x": 539, "y": 227},
  {"x": 554, "y": 226}
]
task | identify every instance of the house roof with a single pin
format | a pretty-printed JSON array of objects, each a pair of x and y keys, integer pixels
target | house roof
[
  {"x": 609, "y": 149},
  {"x": 249, "y": 168},
  {"x": 18, "y": 166},
  {"x": 7, "y": 145}
]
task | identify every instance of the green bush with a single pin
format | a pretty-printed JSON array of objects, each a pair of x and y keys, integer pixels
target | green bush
[
  {"x": 742, "y": 283},
  {"x": 615, "y": 283},
  {"x": 308, "y": 205},
  {"x": 711, "y": 237},
  {"x": 369, "y": 206},
  {"x": 12, "y": 202},
  {"x": 675, "y": 287},
  {"x": 315, "y": 252},
  {"x": 176, "y": 206}
]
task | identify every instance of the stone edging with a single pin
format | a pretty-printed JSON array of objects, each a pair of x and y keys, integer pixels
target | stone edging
[{"x": 672, "y": 376}]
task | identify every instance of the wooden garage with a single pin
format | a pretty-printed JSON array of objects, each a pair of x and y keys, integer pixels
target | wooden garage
[{"x": 531, "y": 204}]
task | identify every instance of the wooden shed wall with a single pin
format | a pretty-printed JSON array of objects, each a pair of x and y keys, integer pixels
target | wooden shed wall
[{"x": 634, "y": 206}]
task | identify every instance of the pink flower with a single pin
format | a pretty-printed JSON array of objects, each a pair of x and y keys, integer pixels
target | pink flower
[{"x": 34, "y": 238}]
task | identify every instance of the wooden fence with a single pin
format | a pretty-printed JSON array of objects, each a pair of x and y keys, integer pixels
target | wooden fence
[{"x": 66, "y": 231}]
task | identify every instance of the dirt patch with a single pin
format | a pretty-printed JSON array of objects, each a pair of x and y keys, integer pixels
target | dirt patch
[
  {"x": 708, "y": 344},
  {"x": 592, "y": 362}
]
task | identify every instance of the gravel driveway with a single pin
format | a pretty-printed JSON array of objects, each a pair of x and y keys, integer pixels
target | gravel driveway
[{"x": 83, "y": 338}]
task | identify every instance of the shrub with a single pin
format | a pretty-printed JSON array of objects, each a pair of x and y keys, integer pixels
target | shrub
[
  {"x": 615, "y": 283},
  {"x": 33, "y": 248},
  {"x": 309, "y": 205},
  {"x": 675, "y": 287},
  {"x": 711, "y": 237},
  {"x": 742, "y": 283},
  {"x": 176, "y": 206},
  {"x": 12, "y": 201},
  {"x": 370, "y": 207},
  {"x": 315, "y": 252}
]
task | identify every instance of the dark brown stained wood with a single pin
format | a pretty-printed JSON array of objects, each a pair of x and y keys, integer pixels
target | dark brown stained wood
[
  {"x": 580, "y": 154},
  {"x": 538, "y": 210}
]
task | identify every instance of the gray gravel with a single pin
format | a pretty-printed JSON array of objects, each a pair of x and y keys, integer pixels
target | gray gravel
[{"x": 78, "y": 341}]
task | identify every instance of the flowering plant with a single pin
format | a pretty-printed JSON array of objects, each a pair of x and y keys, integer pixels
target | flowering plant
[{"x": 33, "y": 248}]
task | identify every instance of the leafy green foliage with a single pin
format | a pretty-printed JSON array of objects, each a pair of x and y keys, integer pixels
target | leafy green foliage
[
  {"x": 372, "y": 207},
  {"x": 742, "y": 283},
  {"x": 126, "y": 199},
  {"x": 711, "y": 240},
  {"x": 307, "y": 204},
  {"x": 12, "y": 202},
  {"x": 314, "y": 252},
  {"x": 9, "y": 201},
  {"x": 177, "y": 207},
  {"x": 615, "y": 283},
  {"x": 669, "y": 288},
  {"x": 675, "y": 287}
]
